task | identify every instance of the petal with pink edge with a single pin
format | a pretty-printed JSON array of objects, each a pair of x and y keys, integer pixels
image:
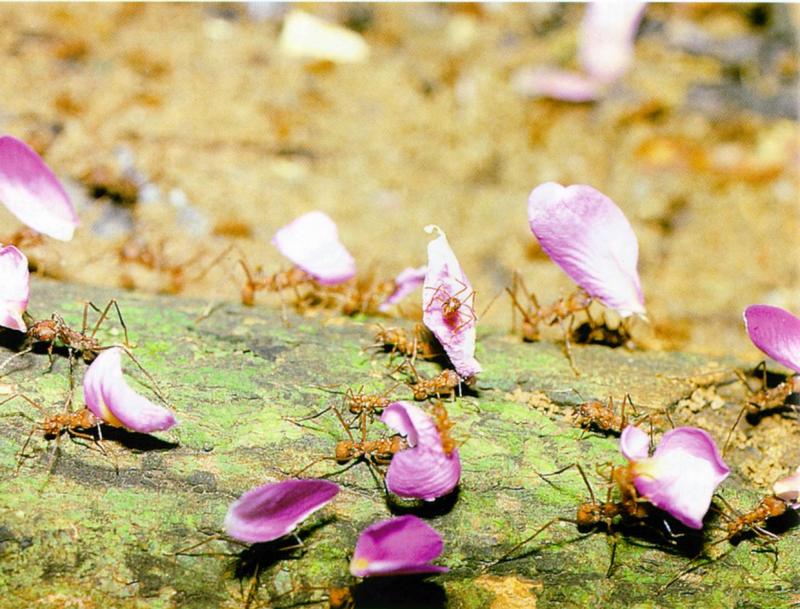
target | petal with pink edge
[
  {"x": 274, "y": 510},
  {"x": 589, "y": 237},
  {"x": 14, "y": 288},
  {"x": 423, "y": 471},
  {"x": 111, "y": 399},
  {"x": 408, "y": 280},
  {"x": 398, "y": 546},
  {"x": 312, "y": 243},
  {"x": 607, "y": 36},
  {"x": 445, "y": 282},
  {"x": 788, "y": 489},
  {"x": 776, "y": 332},
  {"x": 682, "y": 475},
  {"x": 32, "y": 192},
  {"x": 634, "y": 443}
]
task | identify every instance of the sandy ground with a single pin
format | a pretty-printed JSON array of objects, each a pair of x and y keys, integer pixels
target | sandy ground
[{"x": 203, "y": 132}]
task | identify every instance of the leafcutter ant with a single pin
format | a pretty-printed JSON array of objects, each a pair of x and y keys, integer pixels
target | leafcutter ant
[
  {"x": 607, "y": 515},
  {"x": 421, "y": 345},
  {"x": 277, "y": 282},
  {"x": 363, "y": 405},
  {"x": 443, "y": 425},
  {"x": 533, "y": 315},
  {"x": 594, "y": 415},
  {"x": 446, "y": 383},
  {"x": 457, "y": 312},
  {"x": 77, "y": 424}
]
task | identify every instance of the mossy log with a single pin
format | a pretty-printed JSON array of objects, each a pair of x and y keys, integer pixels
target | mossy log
[{"x": 102, "y": 528}]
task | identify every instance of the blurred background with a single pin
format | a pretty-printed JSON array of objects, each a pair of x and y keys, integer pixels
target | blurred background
[{"x": 181, "y": 129}]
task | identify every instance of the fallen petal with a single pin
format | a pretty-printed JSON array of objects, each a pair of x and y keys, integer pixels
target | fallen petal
[
  {"x": 398, "y": 546},
  {"x": 589, "y": 237},
  {"x": 32, "y": 193},
  {"x": 788, "y": 489},
  {"x": 14, "y": 288},
  {"x": 634, "y": 443},
  {"x": 682, "y": 475},
  {"x": 312, "y": 243},
  {"x": 424, "y": 470},
  {"x": 607, "y": 38},
  {"x": 304, "y": 35},
  {"x": 408, "y": 280},
  {"x": 776, "y": 332},
  {"x": 446, "y": 283},
  {"x": 274, "y": 510},
  {"x": 556, "y": 84},
  {"x": 110, "y": 398}
]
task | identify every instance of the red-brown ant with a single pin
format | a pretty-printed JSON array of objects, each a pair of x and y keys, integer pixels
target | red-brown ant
[
  {"x": 443, "y": 424},
  {"x": 630, "y": 509},
  {"x": 595, "y": 415},
  {"x": 77, "y": 424},
  {"x": 457, "y": 312},
  {"x": 421, "y": 345},
  {"x": 446, "y": 383},
  {"x": 277, "y": 282},
  {"x": 363, "y": 405}
]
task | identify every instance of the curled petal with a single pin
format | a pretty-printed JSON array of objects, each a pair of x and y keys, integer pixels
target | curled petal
[
  {"x": 398, "y": 546},
  {"x": 274, "y": 510},
  {"x": 556, "y": 84},
  {"x": 788, "y": 489},
  {"x": 776, "y": 332},
  {"x": 32, "y": 193},
  {"x": 634, "y": 443},
  {"x": 682, "y": 475},
  {"x": 589, "y": 237},
  {"x": 111, "y": 399},
  {"x": 408, "y": 280},
  {"x": 312, "y": 243},
  {"x": 14, "y": 287},
  {"x": 445, "y": 286},
  {"x": 423, "y": 471},
  {"x": 607, "y": 36}
]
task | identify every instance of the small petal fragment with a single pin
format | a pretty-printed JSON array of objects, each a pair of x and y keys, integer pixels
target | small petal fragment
[
  {"x": 274, "y": 510},
  {"x": 312, "y": 243},
  {"x": 788, "y": 489},
  {"x": 14, "y": 288},
  {"x": 555, "y": 84},
  {"x": 32, "y": 193},
  {"x": 398, "y": 546},
  {"x": 588, "y": 236},
  {"x": 776, "y": 332},
  {"x": 423, "y": 471},
  {"x": 448, "y": 305},
  {"x": 408, "y": 280},
  {"x": 305, "y": 35},
  {"x": 110, "y": 398},
  {"x": 607, "y": 35},
  {"x": 682, "y": 475},
  {"x": 634, "y": 443}
]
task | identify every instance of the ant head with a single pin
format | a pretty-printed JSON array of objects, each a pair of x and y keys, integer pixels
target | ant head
[
  {"x": 588, "y": 514},
  {"x": 45, "y": 331},
  {"x": 345, "y": 450}
]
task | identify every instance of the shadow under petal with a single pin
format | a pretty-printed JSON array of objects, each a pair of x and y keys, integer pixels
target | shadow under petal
[
  {"x": 401, "y": 592},
  {"x": 134, "y": 440},
  {"x": 423, "y": 509}
]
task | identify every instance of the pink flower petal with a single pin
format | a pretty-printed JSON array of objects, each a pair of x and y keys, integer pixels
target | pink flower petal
[
  {"x": 274, "y": 510},
  {"x": 110, "y": 398},
  {"x": 682, "y": 475},
  {"x": 407, "y": 281},
  {"x": 32, "y": 193},
  {"x": 312, "y": 243},
  {"x": 14, "y": 288},
  {"x": 776, "y": 332},
  {"x": 446, "y": 280},
  {"x": 399, "y": 546},
  {"x": 589, "y": 237},
  {"x": 788, "y": 489},
  {"x": 634, "y": 443},
  {"x": 556, "y": 84},
  {"x": 607, "y": 37},
  {"x": 423, "y": 471}
]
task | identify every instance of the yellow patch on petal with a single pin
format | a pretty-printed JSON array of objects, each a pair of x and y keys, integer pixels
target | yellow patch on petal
[
  {"x": 359, "y": 564},
  {"x": 647, "y": 468},
  {"x": 108, "y": 416}
]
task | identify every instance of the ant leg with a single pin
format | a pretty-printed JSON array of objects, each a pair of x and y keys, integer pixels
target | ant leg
[
  {"x": 311, "y": 416},
  {"x": 150, "y": 378},
  {"x": 531, "y": 537},
  {"x": 21, "y": 453},
  {"x": 101, "y": 319},
  {"x": 733, "y": 427},
  {"x": 610, "y": 570},
  {"x": 15, "y": 355},
  {"x": 567, "y": 346},
  {"x": 344, "y": 425}
]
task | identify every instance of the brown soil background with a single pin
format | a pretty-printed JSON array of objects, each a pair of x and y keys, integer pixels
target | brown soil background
[{"x": 698, "y": 144}]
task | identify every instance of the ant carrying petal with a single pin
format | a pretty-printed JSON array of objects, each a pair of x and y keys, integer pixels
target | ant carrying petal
[
  {"x": 788, "y": 489},
  {"x": 398, "y": 546},
  {"x": 408, "y": 280},
  {"x": 273, "y": 510},
  {"x": 776, "y": 332},
  {"x": 32, "y": 192},
  {"x": 312, "y": 243},
  {"x": 681, "y": 476},
  {"x": 448, "y": 305},
  {"x": 589, "y": 237},
  {"x": 110, "y": 398},
  {"x": 14, "y": 287},
  {"x": 425, "y": 470}
]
